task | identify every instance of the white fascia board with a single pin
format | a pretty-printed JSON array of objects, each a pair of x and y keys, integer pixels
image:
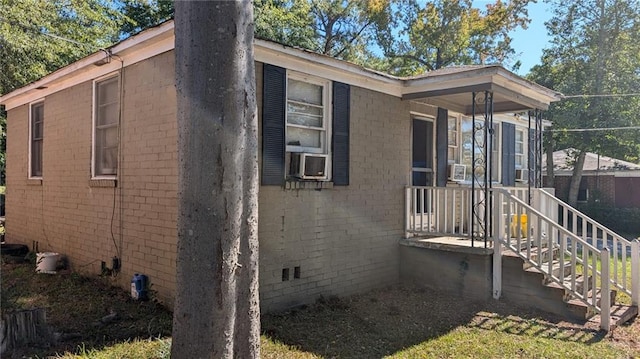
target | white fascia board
[
  {"x": 140, "y": 47},
  {"x": 325, "y": 67},
  {"x": 629, "y": 173},
  {"x": 446, "y": 81}
]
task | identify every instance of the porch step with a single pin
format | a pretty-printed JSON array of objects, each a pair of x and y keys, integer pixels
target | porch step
[
  {"x": 620, "y": 314},
  {"x": 579, "y": 306},
  {"x": 579, "y": 286},
  {"x": 546, "y": 254},
  {"x": 534, "y": 287}
]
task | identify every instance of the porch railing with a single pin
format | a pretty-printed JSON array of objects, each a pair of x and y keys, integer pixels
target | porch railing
[
  {"x": 566, "y": 256},
  {"x": 443, "y": 211},
  {"x": 621, "y": 250}
]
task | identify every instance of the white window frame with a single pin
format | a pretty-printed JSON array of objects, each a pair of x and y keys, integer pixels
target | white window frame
[
  {"x": 108, "y": 77},
  {"x": 523, "y": 154},
  {"x": 31, "y": 106},
  {"x": 496, "y": 160},
  {"x": 453, "y": 147},
  {"x": 325, "y": 141}
]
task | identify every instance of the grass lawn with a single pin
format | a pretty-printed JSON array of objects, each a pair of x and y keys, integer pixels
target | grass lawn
[{"x": 396, "y": 322}]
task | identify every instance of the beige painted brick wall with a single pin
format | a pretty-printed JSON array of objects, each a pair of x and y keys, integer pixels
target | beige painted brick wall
[
  {"x": 344, "y": 239},
  {"x": 68, "y": 213}
]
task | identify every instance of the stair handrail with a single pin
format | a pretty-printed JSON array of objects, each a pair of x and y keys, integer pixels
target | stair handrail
[
  {"x": 593, "y": 222},
  {"x": 618, "y": 255},
  {"x": 587, "y": 249}
]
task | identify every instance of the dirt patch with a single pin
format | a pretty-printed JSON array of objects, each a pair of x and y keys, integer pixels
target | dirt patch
[
  {"x": 80, "y": 311},
  {"x": 90, "y": 313}
]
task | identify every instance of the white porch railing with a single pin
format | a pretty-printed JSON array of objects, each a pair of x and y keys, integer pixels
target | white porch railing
[
  {"x": 621, "y": 249},
  {"x": 443, "y": 211},
  {"x": 534, "y": 234}
]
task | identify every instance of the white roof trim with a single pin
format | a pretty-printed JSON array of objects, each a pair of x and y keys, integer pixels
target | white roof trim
[
  {"x": 161, "y": 39},
  {"x": 149, "y": 43}
]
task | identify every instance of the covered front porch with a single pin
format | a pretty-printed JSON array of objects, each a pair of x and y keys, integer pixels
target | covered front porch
[{"x": 463, "y": 232}]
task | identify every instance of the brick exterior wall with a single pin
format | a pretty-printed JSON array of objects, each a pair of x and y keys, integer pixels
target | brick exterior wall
[
  {"x": 604, "y": 184},
  {"x": 344, "y": 239},
  {"x": 69, "y": 213}
]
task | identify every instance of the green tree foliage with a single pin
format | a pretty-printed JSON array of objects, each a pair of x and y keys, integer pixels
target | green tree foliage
[
  {"x": 434, "y": 34},
  {"x": 337, "y": 28},
  {"x": 32, "y": 32},
  {"x": 143, "y": 14},
  {"x": 594, "y": 51},
  {"x": 32, "y": 40}
]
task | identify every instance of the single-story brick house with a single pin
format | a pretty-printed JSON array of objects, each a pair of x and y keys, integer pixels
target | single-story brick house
[
  {"x": 609, "y": 180},
  {"x": 92, "y": 161}
]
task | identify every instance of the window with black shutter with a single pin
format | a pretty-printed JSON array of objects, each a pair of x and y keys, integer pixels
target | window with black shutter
[{"x": 304, "y": 120}]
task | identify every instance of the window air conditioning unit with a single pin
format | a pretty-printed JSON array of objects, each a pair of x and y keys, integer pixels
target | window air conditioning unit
[
  {"x": 522, "y": 175},
  {"x": 457, "y": 172},
  {"x": 309, "y": 166}
]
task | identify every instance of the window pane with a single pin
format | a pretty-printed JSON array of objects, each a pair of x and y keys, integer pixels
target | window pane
[
  {"x": 107, "y": 114},
  {"x": 304, "y": 92},
  {"x": 36, "y": 158},
  {"x": 304, "y": 137},
  {"x": 300, "y": 114},
  {"x": 37, "y": 130},
  {"x": 110, "y": 137},
  {"x": 108, "y": 162},
  {"x": 519, "y": 136},
  {"x": 106, "y": 127},
  {"x": 108, "y": 91},
  {"x": 36, "y": 143},
  {"x": 451, "y": 154}
]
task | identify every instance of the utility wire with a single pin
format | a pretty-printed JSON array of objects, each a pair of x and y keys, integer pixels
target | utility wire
[
  {"x": 603, "y": 95},
  {"x": 594, "y": 129},
  {"x": 39, "y": 32}
]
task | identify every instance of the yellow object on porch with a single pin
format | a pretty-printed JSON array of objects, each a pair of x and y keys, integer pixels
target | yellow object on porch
[{"x": 523, "y": 226}]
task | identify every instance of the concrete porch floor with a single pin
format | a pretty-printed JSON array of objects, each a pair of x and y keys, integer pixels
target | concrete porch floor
[{"x": 450, "y": 243}]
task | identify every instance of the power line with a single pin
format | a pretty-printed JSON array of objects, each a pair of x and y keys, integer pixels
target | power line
[
  {"x": 40, "y": 32},
  {"x": 594, "y": 129},
  {"x": 603, "y": 95}
]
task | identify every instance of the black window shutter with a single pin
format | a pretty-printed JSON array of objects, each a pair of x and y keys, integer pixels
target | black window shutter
[
  {"x": 340, "y": 136},
  {"x": 442, "y": 146},
  {"x": 508, "y": 154},
  {"x": 273, "y": 111}
]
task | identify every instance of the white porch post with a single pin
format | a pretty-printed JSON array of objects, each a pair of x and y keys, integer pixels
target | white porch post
[
  {"x": 635, "y": 272},
  {"x": 497, "y": 244},
  {"x": 605, "y": 301},
  {"x": 407, "y": 212}
]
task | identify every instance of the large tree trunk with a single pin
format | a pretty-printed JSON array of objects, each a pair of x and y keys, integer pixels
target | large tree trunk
[
  {"x": 216, "y": 313},
  {"x": 574, "y": 186}
]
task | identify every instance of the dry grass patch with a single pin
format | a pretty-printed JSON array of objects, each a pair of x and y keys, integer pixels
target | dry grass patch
[{"x": 397, "y": 322}]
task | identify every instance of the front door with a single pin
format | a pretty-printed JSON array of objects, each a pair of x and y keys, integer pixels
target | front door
[{"x": 422, "y": 153}]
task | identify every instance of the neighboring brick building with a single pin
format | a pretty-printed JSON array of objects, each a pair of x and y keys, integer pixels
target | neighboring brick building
[
  {"x": 608, "y": 180},
  {"x": 92, "y": 162}
]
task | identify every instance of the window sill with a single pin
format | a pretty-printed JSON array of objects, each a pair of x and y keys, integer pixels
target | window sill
[
  {"x": 34, "y": 181},
  {"x": 291, "y": 184},
  {"x": 103, "y": 182}
]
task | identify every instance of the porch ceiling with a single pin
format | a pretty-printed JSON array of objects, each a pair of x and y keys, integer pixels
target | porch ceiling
[{"x": 452, "y": 88}]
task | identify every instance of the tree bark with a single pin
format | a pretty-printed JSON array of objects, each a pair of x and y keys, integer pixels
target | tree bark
[
  {"x": 574, "y": 186},
  {"x": 216, "y": 312}
]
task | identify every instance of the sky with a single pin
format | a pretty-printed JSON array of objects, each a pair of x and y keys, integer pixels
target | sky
[{"x": 529, "y": 43}]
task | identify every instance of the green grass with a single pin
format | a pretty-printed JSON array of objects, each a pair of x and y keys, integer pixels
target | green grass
[
  {"x": 396, "y": 322},
  {"x": 621, "y": 298}
]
